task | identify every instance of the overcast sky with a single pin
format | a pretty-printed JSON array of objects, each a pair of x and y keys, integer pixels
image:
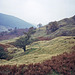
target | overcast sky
[{"x": 38, "y": 11}]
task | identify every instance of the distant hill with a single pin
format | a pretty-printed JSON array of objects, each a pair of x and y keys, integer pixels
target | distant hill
[
  {"x": 7, "y": 21},
  {"x": 64, "y": 27}
]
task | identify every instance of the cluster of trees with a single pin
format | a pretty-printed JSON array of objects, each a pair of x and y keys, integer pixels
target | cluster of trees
[
  {"x": 51, "y": 27},
  {"x": 61, "y": 65}
]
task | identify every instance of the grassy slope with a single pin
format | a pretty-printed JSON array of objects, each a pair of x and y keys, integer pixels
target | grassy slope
[
  {"x": 39, "y": 33},
  {"x": 40, "y": 51},
  {"x": 69, "y": 29},
  {"x": 65, "y": 25}
]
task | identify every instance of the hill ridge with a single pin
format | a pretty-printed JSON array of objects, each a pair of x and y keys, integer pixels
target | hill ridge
[{"x": 11, "y": 22}]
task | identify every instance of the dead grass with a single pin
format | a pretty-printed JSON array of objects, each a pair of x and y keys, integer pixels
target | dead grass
[{"x": 43, "y": 50}]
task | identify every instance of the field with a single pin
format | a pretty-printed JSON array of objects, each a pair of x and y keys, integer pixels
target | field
[{"x": 39, "y": 51}]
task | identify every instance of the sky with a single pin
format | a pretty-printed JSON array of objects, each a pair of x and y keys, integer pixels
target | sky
[{"x": 38, "y": 11}]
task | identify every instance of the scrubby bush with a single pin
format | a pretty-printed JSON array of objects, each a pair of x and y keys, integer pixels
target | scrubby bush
[
  {"x": 3, "y": 54},
  {"x": 22, "y": 42},
  {"x": 53, "y": 26}
]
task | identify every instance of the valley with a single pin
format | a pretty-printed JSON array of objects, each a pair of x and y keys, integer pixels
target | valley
[{"x": 45, "y": 47}]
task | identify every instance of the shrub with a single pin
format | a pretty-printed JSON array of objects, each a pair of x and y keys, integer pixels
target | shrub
[
  {"x": 53, "y": 26},
  {"x": 3, "y": 54}
]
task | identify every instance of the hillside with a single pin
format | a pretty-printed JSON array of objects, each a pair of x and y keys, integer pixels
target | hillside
[
  {"x": 51, "y": 51},
  {"x": 65, "y": 27},
  {"x": 62, "y": 64},
  {"x": 12, "y": 34},
  {"x": 8, "y": 21},
  {"x": 39, "y": 51}
]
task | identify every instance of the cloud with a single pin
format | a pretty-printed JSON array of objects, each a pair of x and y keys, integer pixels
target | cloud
[{"x": 38, "y": 11}]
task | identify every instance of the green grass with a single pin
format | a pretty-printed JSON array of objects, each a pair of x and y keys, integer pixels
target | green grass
[
  {"x": 68, "y": 28},
  {"x": 40, "y": 50},
  {"x": 55, "y": 46},
  {"x": 30, "y": 50},
  {"x": 39, "y": 33}
]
